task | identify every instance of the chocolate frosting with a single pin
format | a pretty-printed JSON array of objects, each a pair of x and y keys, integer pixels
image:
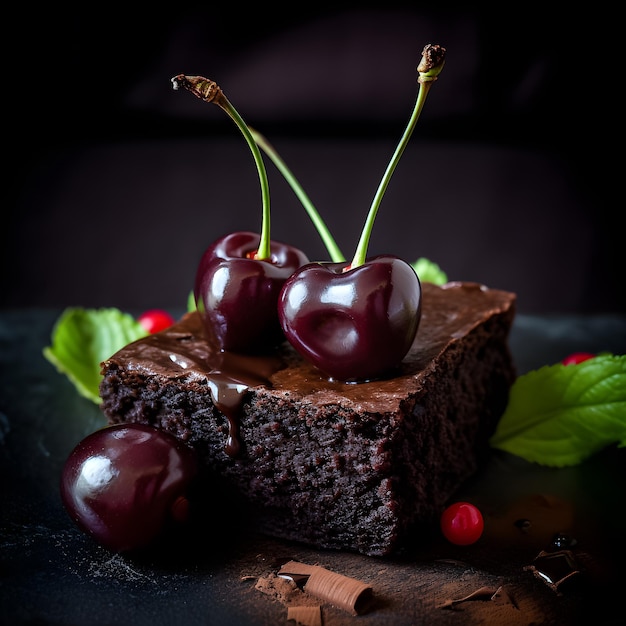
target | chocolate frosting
[{"x": 182, "y": 351}]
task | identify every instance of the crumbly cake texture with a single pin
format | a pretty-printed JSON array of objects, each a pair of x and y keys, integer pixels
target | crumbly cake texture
[{"x": 342, "y": 466}]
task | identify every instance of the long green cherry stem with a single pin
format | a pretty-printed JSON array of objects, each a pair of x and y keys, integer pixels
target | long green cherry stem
[
  {"x": 209, "y": 91},
  {"x": 433, "y": 60},
  {"x": 331, "y": 246}
]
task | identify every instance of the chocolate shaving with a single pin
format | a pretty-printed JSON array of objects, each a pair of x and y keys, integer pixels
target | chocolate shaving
[
  {"x": 344, "y": 592},
  {"x": 502, "y": 596},
  {"x": 499, "y": 596},
  {"x": 555, "y": 568},
  {"x": 305, "y": 615}
]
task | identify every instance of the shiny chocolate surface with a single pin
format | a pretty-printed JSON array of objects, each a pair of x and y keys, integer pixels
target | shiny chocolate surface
[{"x": 448, "y": 313}]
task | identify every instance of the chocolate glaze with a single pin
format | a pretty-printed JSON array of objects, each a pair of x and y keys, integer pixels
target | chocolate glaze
[
  {"x": 182, "y": 351},
  {"x": 176, "y": 353}
]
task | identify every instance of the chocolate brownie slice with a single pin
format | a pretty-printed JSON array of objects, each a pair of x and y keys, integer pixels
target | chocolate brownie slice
[{"x": 333, "y": 465}]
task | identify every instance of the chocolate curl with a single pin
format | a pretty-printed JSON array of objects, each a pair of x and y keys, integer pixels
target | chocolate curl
[
  {"x": 344, "y": 592},
  {"x": 305, "y": 615}
]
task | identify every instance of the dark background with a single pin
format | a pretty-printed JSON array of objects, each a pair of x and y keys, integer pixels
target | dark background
[{"x": 115, "y": 183}]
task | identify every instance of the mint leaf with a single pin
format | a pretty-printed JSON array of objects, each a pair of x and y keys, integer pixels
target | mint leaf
[
  {"x": 429, "y": 272},
  {"x": 83, "y": 338},
  {"x": 559, "y": 415}
]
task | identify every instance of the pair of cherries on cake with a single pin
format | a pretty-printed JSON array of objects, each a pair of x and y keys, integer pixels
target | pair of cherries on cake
[{"x": 354, "y": 321}]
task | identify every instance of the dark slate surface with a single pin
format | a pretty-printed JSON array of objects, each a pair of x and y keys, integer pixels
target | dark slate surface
[{"x": 50, "y": 573}]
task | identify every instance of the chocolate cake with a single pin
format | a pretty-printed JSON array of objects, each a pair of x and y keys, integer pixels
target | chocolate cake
[{"x": 333, "y": 465}]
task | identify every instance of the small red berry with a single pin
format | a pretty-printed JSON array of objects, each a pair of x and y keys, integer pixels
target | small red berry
[
  {"x": 155, "y": 320},
  {"x": 462, "y": 523},
  {"x": 577, "y": 357}
]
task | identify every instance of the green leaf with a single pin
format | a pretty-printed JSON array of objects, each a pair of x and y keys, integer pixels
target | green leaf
[
  {"x": 429, "y": 272},
  {"x": 83, "y": 338},
  {"x": 191, "y": 302},
  {"x": 559, "y": 415}
]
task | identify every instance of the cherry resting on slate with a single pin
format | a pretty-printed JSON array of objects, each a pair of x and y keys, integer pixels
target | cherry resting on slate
[
  {"x": 356, "y": 322},
  {"x": 462, "y": 523},
  {"x": 125, "y": 484}
]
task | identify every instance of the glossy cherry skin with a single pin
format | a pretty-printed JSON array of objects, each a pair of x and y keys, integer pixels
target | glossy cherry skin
[
  {"x": 462, "y": 523},
  {"x": 237, "y": 295},
  {"x": 356, "y": 324},
  {"x": 123, "y": 484}
]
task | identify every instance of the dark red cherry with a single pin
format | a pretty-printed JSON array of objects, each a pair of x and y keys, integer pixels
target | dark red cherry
[
  {"x": 237, "y": 294},
  {"x": 356, "y": 324},
  {"x": 125, "y": 484}
]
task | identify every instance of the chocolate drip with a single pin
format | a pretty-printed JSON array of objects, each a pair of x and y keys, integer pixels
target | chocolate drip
[
  {"x": 228, "y": 375},
  {"x": 227, "y": 396},
  {"x": 229, "y": 381}
]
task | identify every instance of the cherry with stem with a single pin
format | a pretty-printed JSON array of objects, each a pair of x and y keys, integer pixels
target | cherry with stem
[
  {"x": 433, "y": 60},
  {"x": 357, "y": 322},
  {"x": 240, "y": 275}
]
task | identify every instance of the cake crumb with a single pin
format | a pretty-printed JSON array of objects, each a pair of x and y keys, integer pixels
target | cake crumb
[{"x": 281, "y": 589}]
